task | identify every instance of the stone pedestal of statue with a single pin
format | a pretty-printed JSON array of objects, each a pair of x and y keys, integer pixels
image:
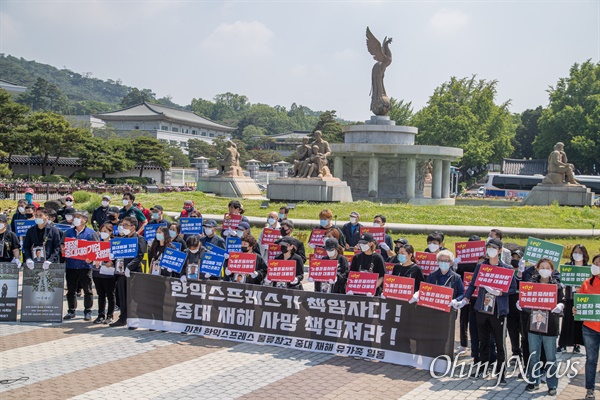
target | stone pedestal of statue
[
  {"x": 564, "y": 194},
  {"x": 230, "y": 186},
  {"x": 309, "y": 189}
]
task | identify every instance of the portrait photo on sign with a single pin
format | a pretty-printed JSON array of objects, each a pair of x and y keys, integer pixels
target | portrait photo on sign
[
  {"x": 239, "y": 278},
  {"x": 539, "y": 321},
  {"x": 155, "y": 267},
  {"x": 489, "y": 302},
  {"x": 119, "y": 266},
  {"x": 39, "y": 254},
  {"x": 192, "y": 271},
  {"x": 10, "y": 287}
]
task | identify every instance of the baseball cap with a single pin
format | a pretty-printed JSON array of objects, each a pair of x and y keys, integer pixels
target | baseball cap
[
  {"x": 517, "y": 252},
  {"x": 157, "y": 207},
  {"x": 366, "y": 238},
  {"x": 286, "y": 240},
  {"x": 113, "y": 210},
  {"x": 355, "y": 214},
  {"x": 331, "y": 244},
  {"x": 107, "y": 197},
  {"x": 69, "y": 197},
  {"x": 29, "y": 190},
  {"x": 210, "y": 223},
  {"x": 83, "y": 213},
  {"x": 3, "y": 218},
  {"x": 474, "y": 238},
  {"x": 495, "y": 242},
  {"x": 243, "y": 225},
  {"x": 402, "y": 241},
  {"x": 188, "y": 203}
]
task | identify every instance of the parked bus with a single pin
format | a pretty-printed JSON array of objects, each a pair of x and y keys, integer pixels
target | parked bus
[{"x": 518, "y": 186}]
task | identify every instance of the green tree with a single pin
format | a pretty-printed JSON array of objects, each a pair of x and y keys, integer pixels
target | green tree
[
  {"x": 526, "y": 133},
  {"x": 462, "y": 113},
  {"x": 4, "y": 167},
  {"x": 401, "y": 112},
  {"x": 136, "y": 96},
  {"x": 149, "y": 150},
  {"x": 200, "y": 148},
  {"x": 251, "y": 135},
  {"x": 573, "y": 117},
  {"x": 12, "y": 116},
  {"x": 179, "y": 159},
  {"x": 237, "y": 103},
  {"x": 329, "y": 127},
  {"x": 107, "y": 155},
  {"x": 203, "y": 108}
]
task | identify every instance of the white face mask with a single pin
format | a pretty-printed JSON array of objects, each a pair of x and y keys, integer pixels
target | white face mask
[
  {"x": 376, "y": 224},
  {"x": 240, "y": 233},
  {"x": 126, "y": 232},
  {"x": 271, "y": 221},
  {"x": 160, "y": 237},
  {"x": 69, "y": 218},
  {"x": 488, "y": 239},
  {"x": 125, "y": 202},
  {"x": 105, "y": 203},
  {"x": 39, "y": 221},
  {"x": 208, "y": 231},
  {"x": 433, "y": 247},
  {"x": 352, "y": 220},
  {"x": 545, "y": 273},
  {"x": 595, "y": 269},
  {"x": 104, "y": 235},
  {"x": 194, "y": 251},
  {"x": 2, "y": 226},
  {"x": 491, "y": 252},
  {"x": 68, "y": 203},
  {"x": 577, "y": 256},
  {"x": 77, "y": 221},
  {"x": 444, "y": 266},
  {"x": 364, "y": 247},
  {"x": 331, "y": 253},
  {"x": 21, "y": 210}
]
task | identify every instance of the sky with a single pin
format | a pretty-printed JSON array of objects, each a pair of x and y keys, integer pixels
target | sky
[{"x": 311, "y": 53}]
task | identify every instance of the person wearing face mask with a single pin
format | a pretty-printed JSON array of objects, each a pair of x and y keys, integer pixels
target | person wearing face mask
[
  {"x": 129, "y": 210},
  {"x": 334, "y": 252},
  {"x": 63, "y": 211},
  {"x": 79, "y": 271},
  {"x": 368, "y": 260},
  {"x": 19, "y": 214},
  {"x": 288, "y": 252},
  {"x": 9, "y": 243},
  {"x": 434, "y": 243},
  {"x": 249, "y": 243},
  {"x": 193, "y": 261},
  {"x": 113, "y": 215},
  {"x": 42, "y": 234},
  {"x": 100, "y": 214},
  {"x": 272, "y": 223},
  {"x": 571, "y": 332},
  {"x": 540, "y": 341},
  {"x": 29, "y": 193},
  {"x": 405, "y": 263},
  {"x": 444, "y": 276},
  {"x": 325, "y": 218},
  {"x": 234, "y": 208},
  {"x": 128, "y": 229},
  {"x": 505, "y": 254},
  {"x": 287, "y": 227},
  {"x": 163, "y": 240},
  {"x": 188, "y": 207},
  {"x": 209, "y": 227},
  {"x": 591, "y": 330},
  {"x": 30, "y": 211},
  {"x": 351, "y": 230},
  {"x": 103, "y": 275},
  {"x": 158, "y": 216},
  {"x": 398, "y": 244},
  {"x": 176, "y": 236},
  {"x": 495, "y": 322},
  {"x": 386, "y": 246},
  {"x": 283, "y": 214}
]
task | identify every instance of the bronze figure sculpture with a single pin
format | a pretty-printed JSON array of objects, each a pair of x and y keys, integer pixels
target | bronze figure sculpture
[{"x": 380, "y": 102}]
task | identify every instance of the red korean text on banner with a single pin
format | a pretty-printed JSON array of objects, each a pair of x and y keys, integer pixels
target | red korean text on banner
[
  {"x": 241, "y": 263},
  {"x": 362, "y": 282},
  {"x": 319, "y": 253},
  {"x": 538, "y": 296},
  {"x": 435, "y": 296},
  {"x": 86, "y": 250},
  {"x": 389, "y": 268},
  {"x": 231, "y": 221},
  {"x": 323, "y": 270},
  {"x": 378, "y": 232},
  {"x": 427, "y": 262},
  {"x": 349, "y": 256},
  {"x": 398, "y": 287},
  {"x": 281, "y": 270},
  {"x": 317, "y": 237},
  {"x": 469, "y": 252},
  {"x": 274, "y": 251},
  {"x": 269, "y": 236},
  {"x": 467, "y": 280},
  {"x": 494, "y": 277}
]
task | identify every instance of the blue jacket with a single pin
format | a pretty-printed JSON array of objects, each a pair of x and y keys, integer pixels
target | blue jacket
[
  {"x": 501, "y": 301},
  {"x": 86, "y": 234},
  {"x": 451, "y": 279},
  {"x": 351, "y": 233}
]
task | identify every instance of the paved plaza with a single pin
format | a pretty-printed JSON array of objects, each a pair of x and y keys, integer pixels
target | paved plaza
[{"x": 81, "y": 360}]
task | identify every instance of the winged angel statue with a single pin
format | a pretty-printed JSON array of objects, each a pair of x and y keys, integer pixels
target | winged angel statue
[{"x": 380, "y": 102}]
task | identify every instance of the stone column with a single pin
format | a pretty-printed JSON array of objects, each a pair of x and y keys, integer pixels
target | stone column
[
  {"x": 411, "y": 178},
  {"x": 445, "y": 179},
  {"x": 373, "y": 177},
  {"x": 202, "y": 166},
  {"x": 253, "y": 166},
  {"x": 436, "y": 180},
  {"x": 338, "y": 167}
]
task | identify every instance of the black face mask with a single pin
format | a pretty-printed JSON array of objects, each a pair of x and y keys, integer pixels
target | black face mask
[
  {"x": 396, "y": 250},
  {"x": 514, "y": 263},
  {"x": 29, "y": 215},
  {"x": 284, "y": 249},
  {"x": 283, "y": 232},
  {"x": 245, "y": 249}
]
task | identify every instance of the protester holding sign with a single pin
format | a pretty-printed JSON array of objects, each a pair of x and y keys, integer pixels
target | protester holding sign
[
  {"x": 287, "y": 227},
  {"x": 444, "y": 276},
  {"x": 435, "y": 242},
  {"x": 407, "y": 265},
  {"x": 571, "y": 333},
  {"x": 210, "y": 236},
  {"x": 325, "y": 223},
  {"x": 491, "y": 319},
  {"x": 260, "y": 272},
  {"x": 269, "y": 234},
  {"x": 386, "y": 245},
  {"x": 334, "y": 252},
  {"x": 158, "y": 216},
  {"x": 162, "y": 241},
  {"x": 288, "y": 252},
  {"x": 233, "y": 218},
  {"x": 80, "y": 271},
  {"x": 195, "y": 253},
  {"x": 42, "y": 236},
  {"x": 369, "y": 260},
  {"x": 176, "y": 236},
  {"x": 591, "y": 330},
  {"x": 104, "y": 280},
  {"x": 543, "y": 329},
  {"x": 132, "y": 264},
  {"x": 9, "y": 243},
  {"x": 19, "y": 214}
]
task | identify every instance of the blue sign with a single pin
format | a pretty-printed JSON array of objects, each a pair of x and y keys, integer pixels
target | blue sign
[
  {"x": 124, "y": 247},
  {"x": 173, "y": 259},
  {"x": 233, "y": 244},
  {"x": 177, "y": 245},
  {"x": 23, "y": 226},
  {"x": 150, "y": 231},
  {"x": 191, "y": 225},
  {"x": 215, "y": 249},
  {"x": 212, "y": 263},
  {"x": 63, "y": 227}
]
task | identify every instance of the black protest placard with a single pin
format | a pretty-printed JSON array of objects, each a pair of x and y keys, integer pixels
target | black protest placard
[
  {"x": 43, "y": 291},
  {"x": 9, "y": 285},
  {"x": 386, "y": 330}
]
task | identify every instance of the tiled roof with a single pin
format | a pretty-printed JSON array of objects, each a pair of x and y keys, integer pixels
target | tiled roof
[
  {"x": 524, "y": 167},
  {"x": 62, "y": 162}
]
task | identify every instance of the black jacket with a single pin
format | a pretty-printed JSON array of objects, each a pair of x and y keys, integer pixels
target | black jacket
[
  {"x": 99, "y": 217},
  {"x": 135, "y": 264},
  {"x": 299, "y": 270},
  {"x": 410, "y": 271},
  {"x": 49, "y": 237}
]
